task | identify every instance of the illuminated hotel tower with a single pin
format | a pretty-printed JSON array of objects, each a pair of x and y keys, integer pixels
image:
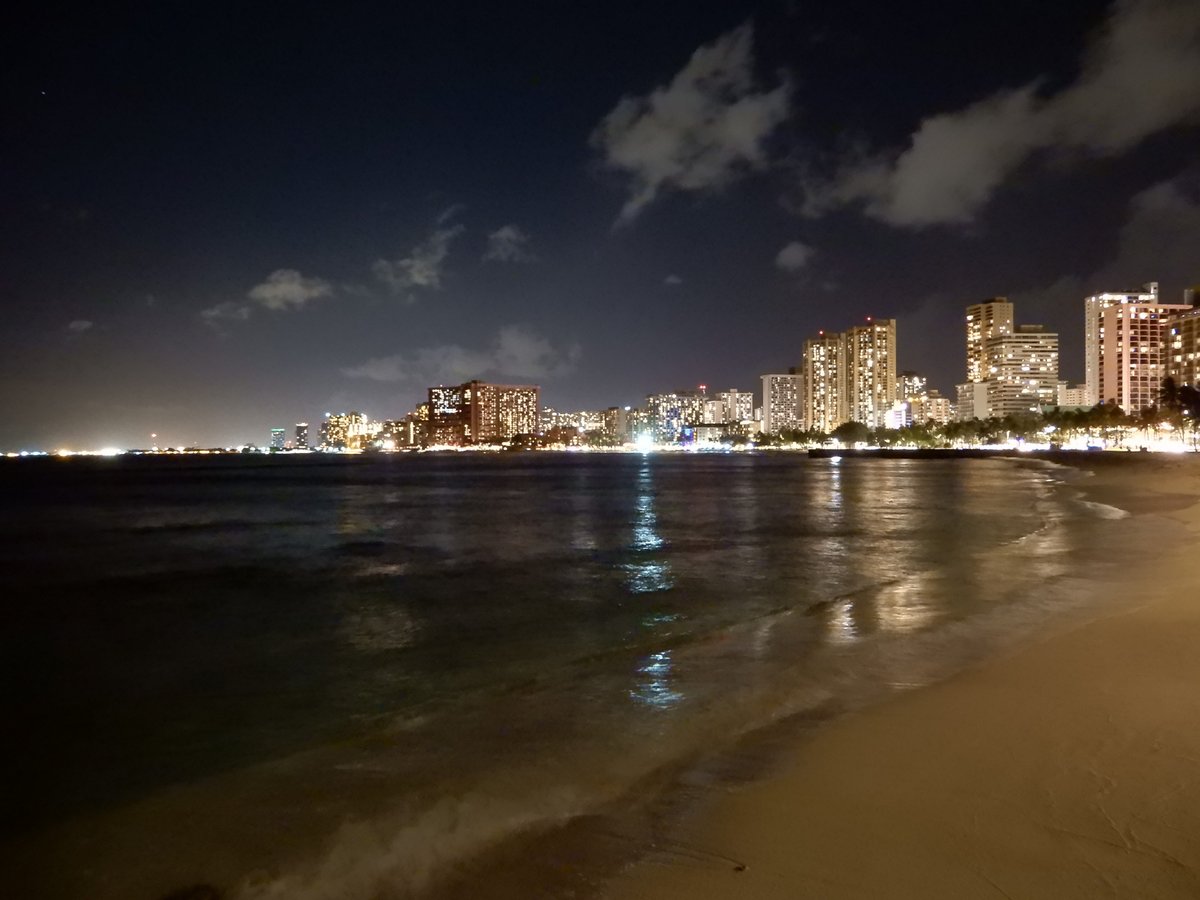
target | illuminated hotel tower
[
  {"x": 1022, "y": 371},
  {"x": 824, "y": 406},
  {"x": 870, "y": 371},
  {"x": 783, "y": 397},
  {"x": 1126, "y": 346},
  {"x": 989, "y": 319}
]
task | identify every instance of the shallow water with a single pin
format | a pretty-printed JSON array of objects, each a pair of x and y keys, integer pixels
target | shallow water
[{"x": 344, "y": 676}]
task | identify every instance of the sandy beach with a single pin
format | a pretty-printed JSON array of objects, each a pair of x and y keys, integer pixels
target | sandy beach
[{"x": 1067, "y": 768}]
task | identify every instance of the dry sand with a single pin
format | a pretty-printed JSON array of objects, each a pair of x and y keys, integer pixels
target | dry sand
[{"x": 1069, "y": 768}]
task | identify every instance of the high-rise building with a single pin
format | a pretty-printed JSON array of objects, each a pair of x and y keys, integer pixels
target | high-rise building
[
  {"x": 782, "y": 398},
  {"x": 1021, "y": 370},
  {"x": 1183, "y": 334},
  {"x": 870, "y": 356},
  {"x": 500, "y": 412},
  {"x": 481, "y": 413},
  {"x": 301, "y": 435},
  {"x": 737, "y": 406},
  {"x": 671, "y": 413},
  {"x": 824, "y": 407},
  {"x": 278, "y": 438},
  {"x": 334, "y": 431},
  {"x": 1126, "y": 346},
  {"x": 449, "y": 419},
  {"x": 989, "y": 319}
]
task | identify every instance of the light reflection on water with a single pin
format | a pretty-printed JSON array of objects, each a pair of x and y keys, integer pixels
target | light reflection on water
[
  {"x": 653, "y": 682},
  {"x": 647, "y": 575}
]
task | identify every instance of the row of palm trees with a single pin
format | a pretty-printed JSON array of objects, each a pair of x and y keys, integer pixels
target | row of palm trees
[{"x": 1178, "y": 411}]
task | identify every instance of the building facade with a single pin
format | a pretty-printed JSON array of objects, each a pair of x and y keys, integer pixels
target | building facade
[
  {"x": 301, "y": 435},
  {"x": 1183, "y": 337},
  {"x": 870, "y": 359},
  {"x": 1126, "y": 352},
  {"x": 481, "y": 413},
  {"x": 671, "y": 414},
  {"x": 824, "y": 407},
  {"x": 1021, "y": 371},
  {"x": 985, "y": 321},
  {"x": 782, "y": 399}
]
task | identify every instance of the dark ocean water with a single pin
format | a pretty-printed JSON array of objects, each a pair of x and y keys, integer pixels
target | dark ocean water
[{"x": 324, "y": 676}]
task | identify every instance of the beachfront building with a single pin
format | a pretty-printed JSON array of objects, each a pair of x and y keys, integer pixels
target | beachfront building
[
  {"x": 870, "y": 355},
  {"x": 781, "y": 407},
  {"x": 343, "y": 431},
  {"x": 482, "y": 413},
  {"x": 301, "y": 436},
  {"x": 1021, "y": 370},
  {"x": 985, "y": 321},
  {"x": 1126, "y": 346},
  {"x": 1183, "y": 335},
  {"x": 739, "y": 405},
  {"x": 278, "y": 439},
  {"x": 824, "y": 405},
  {"x": 1010, "y": 368},
  {"x": 673, "y": 412}
]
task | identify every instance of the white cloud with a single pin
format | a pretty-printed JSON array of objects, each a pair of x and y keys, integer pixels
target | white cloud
[
  {"x": 516, "y": 352},
  {"x": 422, "y": 268},
  {"x": 229, "y": 311},
  {"x": 287, "y": 289},
  {"x": 672, "y": 281},
  {"x": 449, "y": 213},
  {"x": 80, "y": 326},
  {"x": 697, "y": 133},
  {"x": 508, "y": 244},
  {"x": 794, "y": 257},
  {"x": 1140, "y": 76}
]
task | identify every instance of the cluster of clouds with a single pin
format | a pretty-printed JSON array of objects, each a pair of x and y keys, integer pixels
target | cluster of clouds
[
  {"x": 283, "y": 290},
  {"x": 1140, "y": 75},
  {"x": 421, "y": 269},
  {"x": 515, "y": 352},
  {"x": 698, "y": 133}
]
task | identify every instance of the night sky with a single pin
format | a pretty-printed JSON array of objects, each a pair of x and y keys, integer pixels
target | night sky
[{"x": 221, "y": 218}]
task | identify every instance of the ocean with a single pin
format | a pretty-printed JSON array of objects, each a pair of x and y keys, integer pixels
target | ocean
[{"x": 313, "y": 676}]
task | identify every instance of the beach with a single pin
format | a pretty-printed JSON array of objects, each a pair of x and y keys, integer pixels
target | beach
[{"x": 1066, "y": 767}]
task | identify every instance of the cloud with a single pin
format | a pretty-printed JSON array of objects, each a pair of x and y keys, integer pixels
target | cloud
[
  {"x": 672, "y": 281},
  {"x": 697, "y": 133},
  {"x": 516, "y": 352},
  {"x": 794, "y": 257},
  {"x": 449, "y": 213},
  {"x": 508, "y": 244},
  {"x": 422, "y": 268},
  {"x": 229, "y": 311},
  {"x": 1139, "y": 76},
  {"x": 287, "y": 289},
  {"x": 80, "y": 326}
]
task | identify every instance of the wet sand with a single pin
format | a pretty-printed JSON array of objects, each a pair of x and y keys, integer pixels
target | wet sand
[{"x": 1067, "y": 768}]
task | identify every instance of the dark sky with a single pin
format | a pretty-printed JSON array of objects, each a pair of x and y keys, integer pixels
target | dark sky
[{"x": 220, "y": 218}]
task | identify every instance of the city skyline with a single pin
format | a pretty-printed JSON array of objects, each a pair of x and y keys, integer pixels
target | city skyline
[{"x": 199, "y": 242}]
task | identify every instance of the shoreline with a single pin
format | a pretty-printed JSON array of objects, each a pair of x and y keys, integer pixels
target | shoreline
[{"x": 1059, "y": 767}]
